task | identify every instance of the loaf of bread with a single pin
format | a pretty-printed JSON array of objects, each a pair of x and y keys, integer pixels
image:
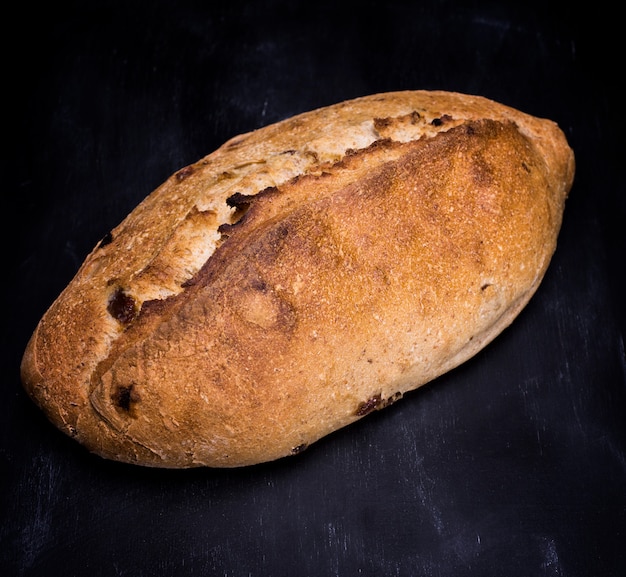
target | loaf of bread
[{"x": 300, "y": 277}]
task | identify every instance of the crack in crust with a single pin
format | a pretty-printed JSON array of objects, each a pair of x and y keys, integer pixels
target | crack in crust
[{"x": 208, "y": 223}]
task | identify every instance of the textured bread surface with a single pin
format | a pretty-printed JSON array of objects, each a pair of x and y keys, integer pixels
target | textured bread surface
[{"x": 300, "y": 277}]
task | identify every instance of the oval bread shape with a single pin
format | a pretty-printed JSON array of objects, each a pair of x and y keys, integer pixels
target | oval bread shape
[{"x": 300, "y": 277}]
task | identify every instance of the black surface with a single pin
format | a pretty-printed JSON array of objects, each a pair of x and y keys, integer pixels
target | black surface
[{"x": 512, "y": 465}]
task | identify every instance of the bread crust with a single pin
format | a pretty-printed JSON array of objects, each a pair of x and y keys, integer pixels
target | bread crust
[{"x": 301, "y": 276}]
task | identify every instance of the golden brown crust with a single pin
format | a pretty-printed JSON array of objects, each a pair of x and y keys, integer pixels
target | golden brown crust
[{"x": 302, "y": 276}]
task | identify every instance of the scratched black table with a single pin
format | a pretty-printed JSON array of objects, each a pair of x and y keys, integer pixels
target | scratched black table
[{"x": 514, "y": 464}]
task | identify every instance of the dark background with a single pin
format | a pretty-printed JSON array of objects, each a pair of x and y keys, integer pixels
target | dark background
[{"x": 512, "y": 465}]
